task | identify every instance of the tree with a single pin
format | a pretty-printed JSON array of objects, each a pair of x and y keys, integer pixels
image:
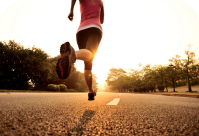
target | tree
[
  {"x": 195, "y": 73},
  {"x": 149, "y": 79},
  {"x": 135, "y": 78},
  {"x": 21, "y": 68},
  {"x": 166, "y": 77},
  {"x": 115, "y": 77},
  {"x": 161, "y": 76},
  {"x": 190, "y": 58},
  {"x": 19, "y": 65},
  {"x": 175, "y": 70},
  {"x": 120, "y": 84}
]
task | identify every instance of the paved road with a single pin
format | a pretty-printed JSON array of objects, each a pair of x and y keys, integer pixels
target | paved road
[{"x": 73, "y": 114}]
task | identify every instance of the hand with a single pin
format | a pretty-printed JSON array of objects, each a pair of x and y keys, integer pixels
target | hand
[{"x": 70, "y": 16}]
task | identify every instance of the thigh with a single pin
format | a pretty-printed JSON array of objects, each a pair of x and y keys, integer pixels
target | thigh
[
  {"x": 81, "y": 38},
  {"x": 89, "y": 39},
  {"x": 93, "y": 41}
]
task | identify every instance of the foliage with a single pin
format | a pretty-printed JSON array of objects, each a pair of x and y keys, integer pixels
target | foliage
[
  {"x": 116, "y": 79},
  {"x": 143, "y": 89},
  {"x": 22, "y": 68},
  {"x": 161, "y": 88},
  {"x": 152, "y": 89},
  {"x": 131, "y": 90},
  {"x": 161, "y": 76},
  {"x": 75, "y": 80},
  {"x": 70, "y": 90},
  {"x": 62, "y": 87},
  {"x": 113, "y": 75},
  {"x": 136, "y": 89},
  {"x": 150, "y": 77},
  {"x": 180, "y": 83},
  {"x": 18, "y": 65},
  {"x": 52, "y": 87},
  {"x": 135, "y": 78},
  {"x": 190, "y": 60}
]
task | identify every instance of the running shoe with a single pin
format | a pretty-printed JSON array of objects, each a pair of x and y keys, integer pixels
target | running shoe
[
  {"x": 91, "y": 96},
  {"x": 66, "y": 62}
]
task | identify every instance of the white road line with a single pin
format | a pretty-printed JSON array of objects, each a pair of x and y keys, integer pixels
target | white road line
[
  {"x": 114, "y": 101},
  {"x": 120, "y": 94}
]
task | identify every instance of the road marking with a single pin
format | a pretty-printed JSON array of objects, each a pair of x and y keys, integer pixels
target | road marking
[
  {"x": 114, "y": 101},
  {"x": 120, "y": 94}
]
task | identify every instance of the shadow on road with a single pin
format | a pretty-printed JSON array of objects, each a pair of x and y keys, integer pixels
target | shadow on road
[{"x": 81, "y": 125}]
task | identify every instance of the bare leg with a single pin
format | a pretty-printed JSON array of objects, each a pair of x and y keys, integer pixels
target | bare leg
[
  {"x": 92, "y": 42},
  {"x": 88, "y": 78},
  {"x": 83, "y": 54},
  {"x": 86, "y": 55}
]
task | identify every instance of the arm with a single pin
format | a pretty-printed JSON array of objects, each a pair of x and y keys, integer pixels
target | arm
[
  {"x": 102, "y": 14},
  {"x": 70, "y": 16}
]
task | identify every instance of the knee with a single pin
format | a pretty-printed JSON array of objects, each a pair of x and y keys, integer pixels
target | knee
[
  {"x": 90, "y": 56},
  {"x": 88, "y": 65}
]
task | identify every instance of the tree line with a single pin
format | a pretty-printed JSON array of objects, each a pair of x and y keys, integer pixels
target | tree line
[
  {"x": 179, "y": 72},
  {"x": 32, "y": 68}
]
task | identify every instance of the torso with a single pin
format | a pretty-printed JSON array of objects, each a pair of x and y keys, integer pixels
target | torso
[{"x": 90, "y": 14}]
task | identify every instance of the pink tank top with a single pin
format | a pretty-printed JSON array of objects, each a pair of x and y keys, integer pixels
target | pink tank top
[{"x": 90, "y": 14}]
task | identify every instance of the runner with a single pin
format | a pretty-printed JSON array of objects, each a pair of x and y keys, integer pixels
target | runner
[{"x": 88, "y": 38}]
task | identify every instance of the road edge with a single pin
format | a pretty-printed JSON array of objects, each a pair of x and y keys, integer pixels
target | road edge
[{"x": 176, "y": 94}]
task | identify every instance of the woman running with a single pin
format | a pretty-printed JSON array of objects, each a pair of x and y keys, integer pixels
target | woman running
[{"x": 88, "y": 36}]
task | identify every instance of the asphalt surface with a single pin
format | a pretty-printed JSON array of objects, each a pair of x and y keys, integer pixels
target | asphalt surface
[{"x": 72, "y": 114}]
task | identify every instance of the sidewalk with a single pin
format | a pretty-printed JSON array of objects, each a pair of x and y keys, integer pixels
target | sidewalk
[
  {"x": 181, "y": 92},
  {"x": 183, "y": 89},
  {"x": 193, "y": 95}
]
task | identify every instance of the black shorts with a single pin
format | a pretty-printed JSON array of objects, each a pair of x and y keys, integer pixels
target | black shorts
[{"x": 82, "y": 38}]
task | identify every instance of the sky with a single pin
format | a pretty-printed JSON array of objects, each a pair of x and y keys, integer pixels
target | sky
[{"x": 137, "y": 31}]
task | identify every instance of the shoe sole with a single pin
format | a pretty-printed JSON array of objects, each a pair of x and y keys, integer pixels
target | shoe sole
[
  {"x": 65, "y": 50},
  {"x": 63, "y": 64},
  {"x": 63, "y": 67}
]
